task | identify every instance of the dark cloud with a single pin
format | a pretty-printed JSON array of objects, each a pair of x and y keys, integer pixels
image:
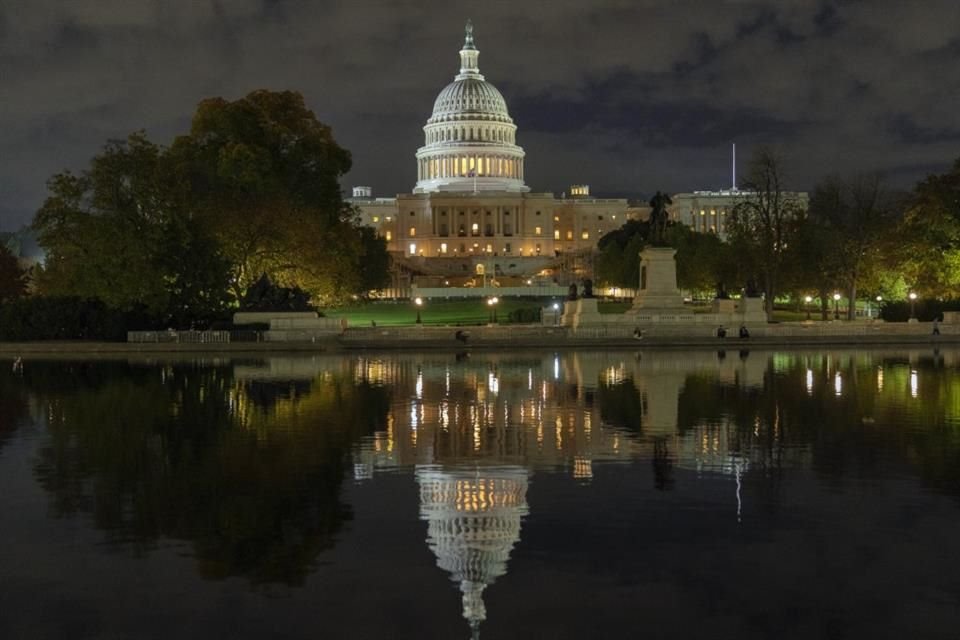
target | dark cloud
[{"x": 629, "y": 95}]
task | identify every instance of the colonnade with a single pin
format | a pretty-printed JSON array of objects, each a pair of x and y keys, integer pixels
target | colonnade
[{"x": 464, "y": 167}]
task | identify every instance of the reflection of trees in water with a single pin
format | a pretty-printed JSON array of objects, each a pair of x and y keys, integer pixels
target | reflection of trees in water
[
  {"x": 180, "y": 451},
  {"x": 621, "y": 405},
  {"x": 13, "y": 403},
  {"x": 842, "y": 416}
]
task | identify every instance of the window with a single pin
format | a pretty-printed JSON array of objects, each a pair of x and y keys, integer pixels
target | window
[
  {"x": 389, "y": 218},
  {"x": 569, "y": 235},
  {"x": 443, "y": 247},
  {"x": 556, "y": 234},
  {"x": 489, "y": 248},
  {"x": 443, "y": 214},
  {"x": 475, "y": 229},
  {"x": 413, "y": 232},
  {"x": 538, "y": 213},
  {"x": 507, "y": 248},
  {"x": 599, "y": 217},
  {"x": 412, "y": 213},
  {"x": 538, "y": 248},
  {"x": 443, "y": 230},
  {"x": 413, "y": 248},
  {"x": 585, "y": 235},
  {"x": 556, "y": 218},
  {"x": 389, "y": 236},
  {"x": 537, "y": 231},
  {"x": 376, "y": 218}
]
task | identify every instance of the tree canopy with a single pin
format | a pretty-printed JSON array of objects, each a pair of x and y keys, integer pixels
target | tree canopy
[{"x": 183, "y": 231}]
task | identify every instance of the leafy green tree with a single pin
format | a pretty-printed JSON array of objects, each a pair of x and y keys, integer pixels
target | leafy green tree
[
  {"x": 263, "y": 176},
  {"x": 101, "y": 229},
  {"x": 853, "y": 216},
  {"x": 13, "y": 278},
  {"x": 928, "y": 240},
  {"x": 764, "y": 223}
]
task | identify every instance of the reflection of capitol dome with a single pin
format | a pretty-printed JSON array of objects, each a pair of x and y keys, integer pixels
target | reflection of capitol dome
[
  {"x": 470, "y": 140},
  {"x": 473, "y": 517}
]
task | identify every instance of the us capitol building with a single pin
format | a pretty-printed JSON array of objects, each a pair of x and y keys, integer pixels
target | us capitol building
[
  {"x": 472, "y": 221},
  {"x": 471, "y": 216}
]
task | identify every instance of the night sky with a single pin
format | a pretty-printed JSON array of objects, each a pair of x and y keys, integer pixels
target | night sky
[{"x": 629, "y": 96}]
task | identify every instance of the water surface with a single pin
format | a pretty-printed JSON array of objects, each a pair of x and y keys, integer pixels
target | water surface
[{"x": 503, "y": 495}]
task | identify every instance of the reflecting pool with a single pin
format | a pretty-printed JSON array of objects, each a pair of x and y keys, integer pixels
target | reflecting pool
[{"x": 667, "y": 494}]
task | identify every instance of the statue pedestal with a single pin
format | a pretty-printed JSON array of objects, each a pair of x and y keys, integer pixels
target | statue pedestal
[
  {"x": 724, "y": 305},
  {"x": 580, "y": 312},
  {"x": 751, "y": 310},
  {"x": 658, "y": 281}
]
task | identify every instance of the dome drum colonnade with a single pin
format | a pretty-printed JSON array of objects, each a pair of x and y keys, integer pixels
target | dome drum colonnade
[{"x": 470, "y": 139}]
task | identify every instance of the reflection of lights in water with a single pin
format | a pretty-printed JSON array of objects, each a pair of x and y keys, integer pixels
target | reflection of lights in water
[
  {"x": 914, "y": 383},
  {"x": 446, "y": 382},
  {"x": 587, "y": 426},
  {"x": 558, "y": 432},
  {"x": 738, "y": 470},
  {"x": 879, "y": 378},
  {"x": 529, "y": 379},
  {"x": 556, "y": 368},
  {"x": 419, "y": 384},
  {"x": 493, "y": 383},
  {"x": 838, "y": 384},
  {"x": 809, "y": 382},
  {"x": 473, "y": 522},
  {"x": 582, "y": 468},
  {"x": 414, "y": 422},
  {"x": 444, "y": 415}
]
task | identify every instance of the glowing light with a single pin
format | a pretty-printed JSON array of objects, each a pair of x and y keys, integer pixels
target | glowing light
[
  {"x": 809, "y": 381},
  {"x": 879, "y": 378},
  {"x": 914, "y": 383},
  {"x": 838, "y": 384}
]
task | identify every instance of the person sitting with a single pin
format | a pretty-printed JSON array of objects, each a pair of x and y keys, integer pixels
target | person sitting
[
  {"x": 744, "y": 333},
  {"x": 721, "y": 332},
  {"x": 638, "y": 333},
  {"x": 462, "y": 336}
]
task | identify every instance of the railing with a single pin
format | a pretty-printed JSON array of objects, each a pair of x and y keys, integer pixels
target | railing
[{"x": 170, "y": 336}]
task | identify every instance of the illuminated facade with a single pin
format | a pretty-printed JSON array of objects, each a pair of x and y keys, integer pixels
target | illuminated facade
[
  {"x": 708, "y": 211},
  {"x": 471, "y": 206}
]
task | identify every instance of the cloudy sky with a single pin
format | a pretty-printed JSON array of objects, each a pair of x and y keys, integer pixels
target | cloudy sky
[{"x": 629, "y": 96}]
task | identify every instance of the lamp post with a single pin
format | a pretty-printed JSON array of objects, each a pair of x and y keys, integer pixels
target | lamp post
[
  {"x": 879, "y": 301},
  {"x": 836, "y": 306},
  {"x": 807, "y": 300},
  {"x": 492, "y": 303},
  {"x": 419, "y": 302},
  {"x": 913, "y": 306}
]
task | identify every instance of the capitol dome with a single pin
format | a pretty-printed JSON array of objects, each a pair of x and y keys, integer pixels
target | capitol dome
[
  {"x": 473, "y": 522},
  {"x": 470, "y": 139}
]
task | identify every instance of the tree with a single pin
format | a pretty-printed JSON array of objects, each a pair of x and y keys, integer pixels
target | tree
[
  {"x": 13, "y": 279},
  {"x": 765, "y": 222},
  {"x": 263, "y": 175},
  {"x": 928, "y": 240},
  {"x": 100, "y": 229},
  {"x": 855, "y": 215}
]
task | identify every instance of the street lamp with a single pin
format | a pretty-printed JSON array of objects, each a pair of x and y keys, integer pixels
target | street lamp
[
  {"x": 836, "y": 306},
  {"x": 808, "y": 300},
  {"x": 419, "y": 302},
  {"x": 913, "y": 305},
  {"x": 492, "y": 303},
  {"x": 879, "y": 301}
]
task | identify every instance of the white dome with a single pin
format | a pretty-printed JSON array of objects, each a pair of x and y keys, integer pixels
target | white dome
[
  {"x": 470, "y": 99},
  {"x": 470, "y": 139}
]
